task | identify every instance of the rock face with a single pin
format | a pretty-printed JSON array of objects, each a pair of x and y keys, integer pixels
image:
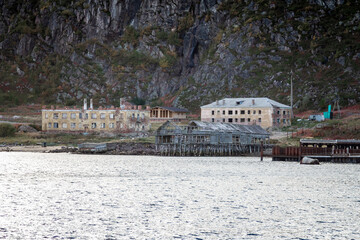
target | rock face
[
  {"x": 26, "y": 128},
  {"x": 185, "y": 52},
  {"x": 308, "y": 160}
]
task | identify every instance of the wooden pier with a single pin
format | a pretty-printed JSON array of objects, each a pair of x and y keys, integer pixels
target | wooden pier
[
  {"x": 210, "y": 139},
  {"x": 209, "y": 149},
  {"x": 341, "y": 151}
]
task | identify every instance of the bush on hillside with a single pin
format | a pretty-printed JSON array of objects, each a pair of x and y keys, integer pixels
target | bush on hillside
[{"x": 7, "y": 130}]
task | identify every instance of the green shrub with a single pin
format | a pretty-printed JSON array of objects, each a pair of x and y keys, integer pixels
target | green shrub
[
  {"x": 162, "y": 35},
  {"x": 185, "y": 23},
  {"x": 131, "y": 35},
  {"x": 7, "y": 130}
]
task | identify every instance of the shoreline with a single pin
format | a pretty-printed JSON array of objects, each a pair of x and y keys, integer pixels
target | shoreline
[
  {"x": 144, "y": 149},
  {"x": 32, "y": 148}
]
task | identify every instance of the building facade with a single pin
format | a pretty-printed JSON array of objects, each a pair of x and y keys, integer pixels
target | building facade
[
  {"x": 247, "y": 111},
  {"x": 163, "y": 114},
  {"x": 118, "y": 120}
]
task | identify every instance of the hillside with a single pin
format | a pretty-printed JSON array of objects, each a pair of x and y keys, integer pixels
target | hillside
[{"x": 186, "y": 53}]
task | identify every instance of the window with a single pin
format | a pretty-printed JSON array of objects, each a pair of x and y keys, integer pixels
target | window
[
  {"x": 254, "y": 112},
  {"x": 102, "y": 125},
  {"x": 223, "y": 112},
  {"x": 236, "y": 120},
  {"x": 230, "y": 112},
  {"x": 249, "y": 111},
  {"x": 249, "y": 120},
  {"x": 133, "y": 116},
  {"x": 56, "y": 115},
  {"x": 64, "y": 125},
  {"x": 111, "y": 125},
  {"x": 259, "y": 111},
  {"x": 278, "y": 120},
  {"x": 230, "y": 120},
  {"x": 242, "y": 119},
  {"x": 93, "y": 125},
  {"x": 64, "y": 116},
  {"x": 259, "y": 119},
  {"x": 218, "y": 112},
  {"x": 284, "y": 121},
  {"x": 49, "y": 125},
  {"x": 73, "y": 125},
  {"x": 242, "y": 112},
  {"x": 93, "y": 116},
  {"x": 138, "y": 117},
  {"x": 46, "y": 115},
  {"x": 80, "y": 115},
  {"x": 223, "y": 119},
  {"x": 143, "y": 116},
  {"x": 111, "y": 116},
  {"x": 278, "y": 112},
  {"x": 213, "y": 120},
  {"x": 284, "y": 112},
  {"x": 102, "y": 115},
  {"x": 80, "y": 125},
  {"x": 73, "y": 115},
  {"x": 212, "y": 112},
  {"x": 236, "y": 112},
  {"x": 239, "y": 102},
  {"x": 56, "y": 125},
  {"x": 86, "y": 115}
]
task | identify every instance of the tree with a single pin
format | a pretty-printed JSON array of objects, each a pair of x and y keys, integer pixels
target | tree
[{"x": 7, "y": 130}]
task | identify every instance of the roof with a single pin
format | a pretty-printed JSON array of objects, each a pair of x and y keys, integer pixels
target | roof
[
  {"x": 245, "y": 103},
  {"x": 173, "y": 109},
  {"x": 229, "y": 127}
]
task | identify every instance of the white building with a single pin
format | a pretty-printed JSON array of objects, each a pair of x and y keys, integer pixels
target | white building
[{"x": 247, "y": 111}]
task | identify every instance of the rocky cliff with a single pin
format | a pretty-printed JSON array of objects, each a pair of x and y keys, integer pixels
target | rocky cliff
[{"x": 185, "y": 53}]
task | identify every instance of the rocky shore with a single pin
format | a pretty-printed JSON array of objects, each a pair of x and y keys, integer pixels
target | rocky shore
[{"x": 134, "y": 149}]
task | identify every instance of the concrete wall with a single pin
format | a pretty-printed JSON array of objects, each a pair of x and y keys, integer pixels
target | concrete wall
[{"x": 101, "y": 120}]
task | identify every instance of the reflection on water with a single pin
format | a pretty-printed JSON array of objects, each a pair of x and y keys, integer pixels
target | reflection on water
[{"x": 64, "y": 196}]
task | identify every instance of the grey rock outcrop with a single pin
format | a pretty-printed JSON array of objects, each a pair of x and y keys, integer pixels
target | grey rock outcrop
[{"x": 185, "y": 52}]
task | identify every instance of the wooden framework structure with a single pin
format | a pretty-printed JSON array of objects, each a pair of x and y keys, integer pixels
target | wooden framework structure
[
  {"x": 168, "y": 113},
  {"x": 323, "y": 150},
  {"x": 209, "y": 139}
]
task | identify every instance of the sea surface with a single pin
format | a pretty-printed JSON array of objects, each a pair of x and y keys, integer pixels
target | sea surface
[{"x": 67, "y": 196}]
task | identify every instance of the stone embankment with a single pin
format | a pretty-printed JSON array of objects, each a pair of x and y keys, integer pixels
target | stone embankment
[
  {"x": 134, "y": 149},
  {"x": 120, "y": 148}
]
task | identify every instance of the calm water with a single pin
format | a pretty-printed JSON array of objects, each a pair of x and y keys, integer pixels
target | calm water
[{"x": 64, "y": 196}]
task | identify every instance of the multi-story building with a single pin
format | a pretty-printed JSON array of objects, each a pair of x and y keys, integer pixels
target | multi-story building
[
  {"x": 117, "y": 120},
  {"x": 247, "y": 111}
]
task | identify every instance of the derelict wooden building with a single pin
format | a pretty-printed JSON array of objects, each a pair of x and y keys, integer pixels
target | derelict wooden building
[{"x": 207, "y": 138}]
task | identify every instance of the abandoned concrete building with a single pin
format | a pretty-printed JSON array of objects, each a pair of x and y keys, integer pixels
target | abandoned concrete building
[
  {"x": 118, "y": 120},
  {"x": 206, "y": 138},
  {"x": 247, "y": 111},
  {"x": 163, "y": 114}
]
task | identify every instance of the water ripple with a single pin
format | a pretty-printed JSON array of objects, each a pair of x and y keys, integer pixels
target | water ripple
[{"x": 64, "y": 196}]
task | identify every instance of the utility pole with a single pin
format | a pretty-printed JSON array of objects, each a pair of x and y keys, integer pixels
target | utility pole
[{"x": 291, "y": 97}]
